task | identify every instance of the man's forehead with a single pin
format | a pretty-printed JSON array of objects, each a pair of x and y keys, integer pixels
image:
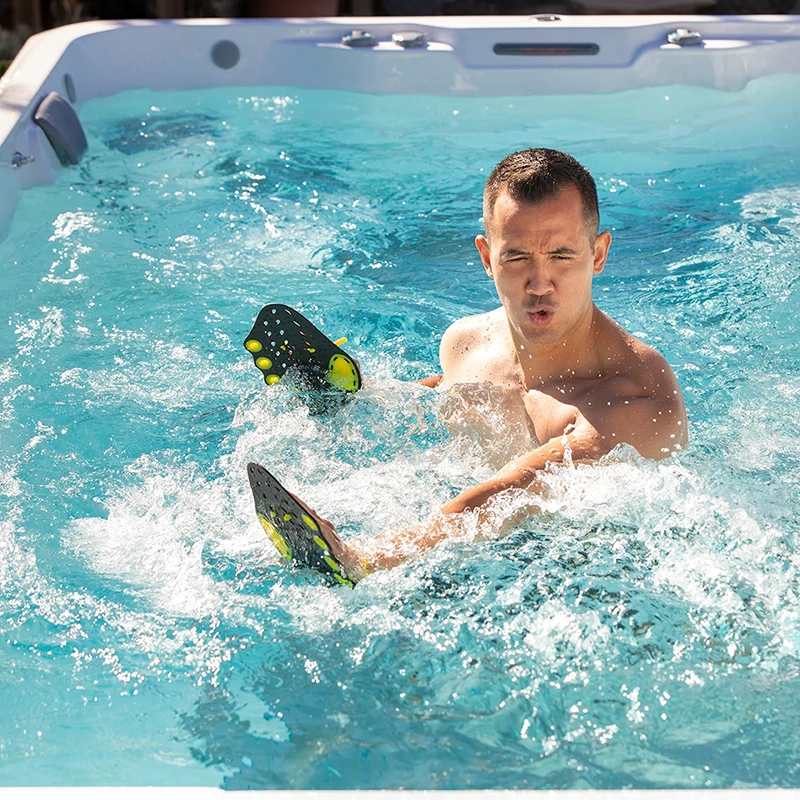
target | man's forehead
[{"x": 559, "y": 216}]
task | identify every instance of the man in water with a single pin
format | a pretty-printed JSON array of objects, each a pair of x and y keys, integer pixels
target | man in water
[{"x": 586, "y": 384}]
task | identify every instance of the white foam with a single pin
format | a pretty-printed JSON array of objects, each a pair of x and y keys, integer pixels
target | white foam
[{"x": 155, "y": 533}]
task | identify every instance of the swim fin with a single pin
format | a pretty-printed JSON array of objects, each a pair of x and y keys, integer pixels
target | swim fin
[
  {"x": 282, "y": 339},
  {"x": 298, "y": 533}
]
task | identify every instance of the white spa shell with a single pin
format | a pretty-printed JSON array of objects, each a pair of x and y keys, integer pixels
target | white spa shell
[{"x": 459, "y": 56}]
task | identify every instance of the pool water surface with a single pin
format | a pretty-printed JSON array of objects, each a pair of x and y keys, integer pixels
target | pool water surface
[{"x": 641, "y": 633}]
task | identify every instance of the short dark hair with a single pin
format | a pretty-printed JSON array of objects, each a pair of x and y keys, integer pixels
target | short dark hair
[{"x": 530, "y": 176}]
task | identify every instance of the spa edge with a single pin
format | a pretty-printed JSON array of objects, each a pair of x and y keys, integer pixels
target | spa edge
[{"x": 42, "y": 92}]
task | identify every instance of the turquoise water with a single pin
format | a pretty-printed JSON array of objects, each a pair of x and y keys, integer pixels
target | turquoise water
[{"x": 642, "y": 633}]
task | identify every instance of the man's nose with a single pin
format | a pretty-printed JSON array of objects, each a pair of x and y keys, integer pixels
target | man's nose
[{"x": 539, "y": 279}]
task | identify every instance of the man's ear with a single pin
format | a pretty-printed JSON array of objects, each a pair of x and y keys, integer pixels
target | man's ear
[
  {"x": 601, "y": 244},
  {"x": 482, "y": 243}
]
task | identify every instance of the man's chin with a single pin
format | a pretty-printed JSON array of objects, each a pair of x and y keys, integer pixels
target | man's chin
[{"x": 538, "y": 332}]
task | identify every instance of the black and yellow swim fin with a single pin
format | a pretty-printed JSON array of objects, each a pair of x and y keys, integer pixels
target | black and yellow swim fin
[
  {"x": 282, "y": 339},
  {"x": 298, "y": 533}
]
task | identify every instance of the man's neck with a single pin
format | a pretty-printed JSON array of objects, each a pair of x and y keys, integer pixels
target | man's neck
[{"x": 573, "y": 358}]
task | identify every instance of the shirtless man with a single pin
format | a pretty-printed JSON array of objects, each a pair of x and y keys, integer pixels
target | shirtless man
[{"x": 586, "y": 384}]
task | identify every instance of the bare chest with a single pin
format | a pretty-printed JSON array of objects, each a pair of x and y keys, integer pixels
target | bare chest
[
  {"x": 547, "y": 412},
  {"x": 500, "y": 411}
]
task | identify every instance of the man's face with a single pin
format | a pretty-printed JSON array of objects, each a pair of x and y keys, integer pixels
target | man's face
[{"x": 542, "y": 259}]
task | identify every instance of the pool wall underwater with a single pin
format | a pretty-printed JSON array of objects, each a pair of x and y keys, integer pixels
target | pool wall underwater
[{"x": 467, "y": 56}]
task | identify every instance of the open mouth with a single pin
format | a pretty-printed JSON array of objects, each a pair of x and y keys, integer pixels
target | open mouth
[{"x": 541, "y": 316}]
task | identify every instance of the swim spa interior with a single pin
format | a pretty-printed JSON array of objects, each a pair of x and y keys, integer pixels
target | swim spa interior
[{"x": 642, "y": 633}]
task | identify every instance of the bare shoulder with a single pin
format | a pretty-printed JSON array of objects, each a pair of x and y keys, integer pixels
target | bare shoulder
[
  {"x": 640, "y": 400},
  {"x": 644, "y": 371},
  {"x": 470, "y": 344},
  {"x": 474, "y": 327}
]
